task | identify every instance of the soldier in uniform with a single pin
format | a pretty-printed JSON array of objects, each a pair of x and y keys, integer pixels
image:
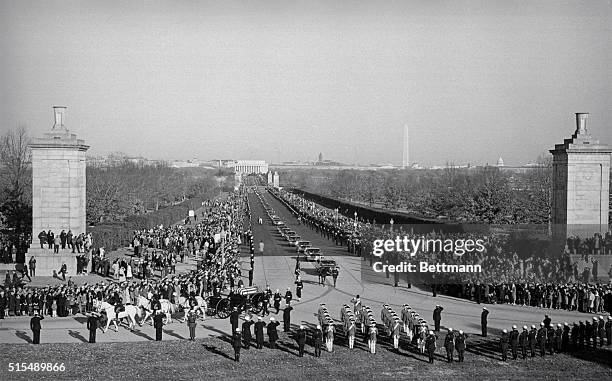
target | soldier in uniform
[
  {"x": 550, "y": 339},
  {"x": 460, "y": 344},
  {"x": 301, "y": 340},
  {"x": 272, "y": 333},
  {"x": 246, "y": 332},
  {"x": 191, "y": 323},
  {"x": 503, "y": 345},
  {"x": 287, "y": 319},
  {"x": 533, "y": 340},
  {"x": 582, "y": 334},
  {"x": 524, "y": 341},
  {"x": 565, "y": 338},
  {"x": 237, "y": 344},
  {"x": 558, "y": 338},
  {"x": 259, "y": 332},
  {"x": 92, "y": 326},
  {"x": 277, "y": 300},
  {"x": 430, "y": 345},
  {"x": 514, "y": 342},
  {"x": 575, "y": 336},
  {"x": 602, "y": 331},
  {"x": 483, "y": 321},
  {"x": 318, "y": 340},
  {"x": 542, "y": 334},
  {"x": 35, "y": 327},
  {"x": 234, "y": 318},
  {"x": 437, "y": 317},
  {"x": 449, "y": 344},
  {"x": 372, "y": 338}
]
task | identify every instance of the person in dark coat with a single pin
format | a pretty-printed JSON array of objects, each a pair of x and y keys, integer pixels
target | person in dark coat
[
  {"x": 237, "y": 344},
  {"x": 460, "y": 344},
  {"x": 449, "y": 344},
  {"x": 287, "y": 319},
  {"x": 272, "y": 333},
  {"x": 288, "y": 296},
  {"x": 92, "y": 326},
  {"x": 246, "y": 332},
  {"x": 301, "y": 340},
  {"x": 35, "y": 327},
  {"x": 430, "y": 345},
  {"x": 483, "y": 321},
  {"x": 514, "y": 342},
  {"x": 437, "y": 317},
  {"x": 503, "y": 345},
  {"x": 542, "y": 335},
  {"x": 277, "y": 300},
  {"x": 234, "y": 317},
  {"x": 191, "y": 323},
  {"x": 299, "y": 285},
  {"x": 317, "y": 337},
  {"x": 259, "y": 332},
  {"x": 158, "y": 323},
  {"x": 533, "y": 340},
  {"x": 524, "y": 341}
]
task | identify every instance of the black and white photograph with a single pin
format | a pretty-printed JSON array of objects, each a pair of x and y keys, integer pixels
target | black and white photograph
[{"x": 317, "y": 190}]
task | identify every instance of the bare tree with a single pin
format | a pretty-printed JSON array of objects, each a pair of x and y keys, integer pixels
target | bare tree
[{"x": 15, "y": 158}]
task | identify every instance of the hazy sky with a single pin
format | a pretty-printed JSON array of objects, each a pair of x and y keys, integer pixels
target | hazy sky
[{"x": 289, "y": 79}]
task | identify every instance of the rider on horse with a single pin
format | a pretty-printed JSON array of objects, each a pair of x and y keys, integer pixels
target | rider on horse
[{"x": 116, "y": 301}]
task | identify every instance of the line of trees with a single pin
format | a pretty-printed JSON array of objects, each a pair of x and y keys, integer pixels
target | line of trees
[{"x": 476, "y": 195}]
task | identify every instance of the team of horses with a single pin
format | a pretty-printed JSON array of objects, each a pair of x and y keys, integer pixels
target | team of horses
[{"x": 143, "y": 309}]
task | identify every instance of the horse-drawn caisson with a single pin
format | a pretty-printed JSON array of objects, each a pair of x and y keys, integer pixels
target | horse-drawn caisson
[
  {"x": 245, "y": 299},
  {"x": 392, "y": 323},
  {"x": 327, "y": 324}
]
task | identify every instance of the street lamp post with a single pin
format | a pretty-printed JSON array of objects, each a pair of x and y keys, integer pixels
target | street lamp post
[
  {"x": 391, "y": 222},
  {"x": 355, "y": 223}
]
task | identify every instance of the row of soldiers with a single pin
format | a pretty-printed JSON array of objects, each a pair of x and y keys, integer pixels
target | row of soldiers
[{"x": 556, "y": 340}]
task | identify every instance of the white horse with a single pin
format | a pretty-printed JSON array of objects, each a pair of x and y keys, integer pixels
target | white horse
[
  {"x": 201, "y": 306},
  {"x": 130, "y": 313},
  {"x": 167, "y": 308}
]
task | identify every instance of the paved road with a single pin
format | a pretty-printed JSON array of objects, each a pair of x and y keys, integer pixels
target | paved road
[{"x": 276, "y": 268}]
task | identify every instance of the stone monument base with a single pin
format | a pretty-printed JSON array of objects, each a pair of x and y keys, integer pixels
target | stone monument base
[{"x": 47, "y": 261}]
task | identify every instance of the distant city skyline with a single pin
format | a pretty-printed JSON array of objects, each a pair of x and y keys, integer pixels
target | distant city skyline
[{"x": 285, "y": 80}]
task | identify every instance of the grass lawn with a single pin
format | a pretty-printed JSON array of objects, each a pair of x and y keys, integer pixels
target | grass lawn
[{"x": 212, "y": 358}]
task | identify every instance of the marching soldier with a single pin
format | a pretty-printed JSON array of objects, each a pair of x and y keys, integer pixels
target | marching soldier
[
  {"x": 503, "y": 345},
  {"x": 437, "y": 317},
  {"x": 449, "y": 344},
  {"x": 246, "y": 332},
  {"x": 483, "y": 321},
  {"x": 542, "y": 334},
  {"x": 524, "y": 341},
  {"x": 533, "y": 340},
  {"x": 318, "y": 341},
  {"x": 430, "y": 344},
  {"x": 237, "y": 344},
  {"x": 92, "y": 326},
  {"x": 460, "y": 344},
  {"x": 301, "y": 340},
  {"x": 259, "y": 332},
  {"x": 514, "y": 342}
]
